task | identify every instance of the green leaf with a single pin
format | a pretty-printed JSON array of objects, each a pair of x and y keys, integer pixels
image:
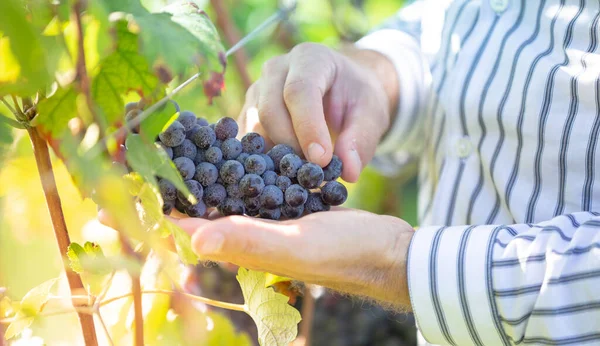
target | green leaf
[
  {"x": 275, "y": 319},
  {"x": 31, "y": 304},
  {"x": 150, "y": 161},
  {"x": 123, "y": 71},
  {"x": 56, "y": 111},
  {"x": 155, "y": 123},
  {"x": 80, "y": 256},
  {"x": 74, "y": 253},
  {"x": 272, "y": 279},
  {"x": 6, "y": 139},
  {"x": 183, "y": 242}
]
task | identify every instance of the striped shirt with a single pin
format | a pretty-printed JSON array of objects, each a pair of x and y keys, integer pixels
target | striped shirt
[{"x": 500, "y": 104}]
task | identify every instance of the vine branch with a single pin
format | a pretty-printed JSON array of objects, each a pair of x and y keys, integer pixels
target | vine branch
[
  {"x": 44, "y": 165},
  {"x": 136, "y": 291}
]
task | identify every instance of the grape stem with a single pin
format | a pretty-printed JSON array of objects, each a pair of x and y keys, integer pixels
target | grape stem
[{"x": 11, "y": 122}]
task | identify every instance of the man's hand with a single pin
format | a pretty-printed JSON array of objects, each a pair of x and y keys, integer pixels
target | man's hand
[
  {"x": 308, "y": 96},
  {"x": 347, "y": 250}
]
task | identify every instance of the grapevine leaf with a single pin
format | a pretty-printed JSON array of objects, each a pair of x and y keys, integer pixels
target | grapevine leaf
[
  {"x": 31, "y": 304},
  {"x": 156, "y": 123},
  {"x": 84, "y": 260},
  {"x": 122, "y": 71},
  {"x": 272, "y": 279},
  {"x": 151, "y": 202},
  {"x": 275, "y": 319},
  {"x": 6, "y": 138},
  {"x": 150, "y": 161},
  {"x": 74, "y": 253},
  {"x": 56, "y": 111},
  {"x": 183, "y": 243}
]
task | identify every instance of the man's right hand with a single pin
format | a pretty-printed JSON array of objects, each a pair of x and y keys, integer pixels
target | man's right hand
[{"x": 315, "y": 99}]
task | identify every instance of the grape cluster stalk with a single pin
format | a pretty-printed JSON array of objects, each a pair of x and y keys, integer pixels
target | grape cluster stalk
[{"x": 237, "y": 177}]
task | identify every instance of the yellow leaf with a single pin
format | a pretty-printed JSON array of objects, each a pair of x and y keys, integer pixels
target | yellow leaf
[
  {"x": 272, "y": 279},
  {"x": 9, "y": 66}
]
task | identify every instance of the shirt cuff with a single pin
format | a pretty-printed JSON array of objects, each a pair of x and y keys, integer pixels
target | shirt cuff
[
  {"x": 404, "y": 52},
  {"x": 450, "y": 287}
]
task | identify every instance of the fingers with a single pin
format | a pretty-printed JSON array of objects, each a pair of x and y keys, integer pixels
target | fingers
[
  {"x": 311, "y": 74},
  {"x": 249, "y": 120}
]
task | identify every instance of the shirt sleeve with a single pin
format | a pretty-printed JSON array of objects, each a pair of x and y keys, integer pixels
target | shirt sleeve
[
  {"x": 399, "y": 40},
  {"x": 508, "y": 284}
]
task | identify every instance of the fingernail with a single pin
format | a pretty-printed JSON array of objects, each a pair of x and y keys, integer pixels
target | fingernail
[
  {"x": 354, "y": 156},
  {"x": 212, "y": 244},
  {"x": 315, "y": 151}
]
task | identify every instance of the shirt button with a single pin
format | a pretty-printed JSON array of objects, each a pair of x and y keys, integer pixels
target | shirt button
[
  {"x": 499, "y": 6},
  {"x": 463, "y": 147}
]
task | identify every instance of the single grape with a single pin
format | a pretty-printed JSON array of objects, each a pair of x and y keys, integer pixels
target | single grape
[
  {"x": 334, "y": 193},
  {"x": 219, "y": 165},
  {"x": 167, "y": 190},
  {"x": 202, "y": 122},
  {"x": 289, "y": 165},
  {"x": 200, "y": 156},
  {"x": 268, "y": 161},
  {"x": 231, "y": 206},
  {"x": 187, "y": 119},
  {"x": 296, "y": 195},
  {"x": 253, "y": 143},
  {"x": 213, "y": 155},
  {"x": 310, "y": 175},
  {"x": 252, "y": 205},
  {"x": 234, "y": 191},
  {"x": 333, "y": 170},
  {"x": 206, "y": 173},
  {"x": 196, "y": 210},
  {"x": 168, "y": 150},
  {"x": 195, "y": 189},
  {"x": 270, "y": 214},
  {"x": 174, "y": 135},
  {"x": 190, "y": 133},
  {"x": 231, "y": 172},
  {"x": 271, "y": 197},
  {"x": 167, "y": 207},
  {"x": 214, "y": 195},
  {"x": 218, "y": 143},
  {"x": 255, "y": 164},
  {"x": 185, "y": 149},
  {"x": 231, "y": 148},
  {"x": 269, "y": 177},
  {"x": 292, "y": 212},
  {"x": 278, "y": 152},
  {"x": 226, "y": 128},
  {"x": 186, "y": 167},
  {"x": 129, "y": 117},
  {"x": 314, "y": 203},
  {"x": 283, "y": 182},
  {"x": 242, "y": 158},
  {"x": 251, "y": 185},
  {"x": 204, "y": 137}
]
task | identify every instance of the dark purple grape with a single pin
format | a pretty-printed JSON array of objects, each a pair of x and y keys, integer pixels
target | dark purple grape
[
  {"x": 167, "y": 207},
  {"x": 252, "y": 205},
  {"x": 231, "y": 148},
  {"x": 213, "y": 155},
  {"x": 270, "y": 214},
  {"x": 168, "y": 150},
  {"x": 310, "y": 175},
  {"x": 334, "y": 193},
  {"x": 242, "y": 158},
  {"x": 292, "y": 212},
  {"x": 283, "y": 182},
  {"x": 289, "y": 165},
  {"x": 315, "y": 204},
  {"x": 187, "y": 119},
  {"x": 200, "y": 156},
  {"x": 296, "y": 195},
  {"x": 196, "y": 210},
  {"x": 231, "y": 206},
  {"x": 271, "y": 197},
  {"x": 231, "y": 172},
  {"x": 268, "y": 161},
  {"x": 214, "y": 195},
  {"x": 167, "y": 190},
  {"x": 186, "y": 167},
  {"x": 234, "y": 191},
  {"x": 195, "y": 189},
  {"x": 253, "y": 143},
  {"x": 218, "y": 143},
  {"x": 219, "y": 165},
  {"x": 204, "y": 137},
  {"x": 202, "y": 122},
  {"x": 226, "y": 128},
  {"x": 173, "y": 135},
  {"x": 206, "y": 173},
  {"x": 269, "y": 177},
  {"x": 278, "y": 152},
  {"x": 255, "y": 164},
  {"x": 190, "y": 133},
  {"x": 185, "y": 149},
  {"x": 251, "y": 185},
  {"x": 333, "y": 170}
]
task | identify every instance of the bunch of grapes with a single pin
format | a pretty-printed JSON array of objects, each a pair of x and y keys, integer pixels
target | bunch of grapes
[{"x": 238, "y": 178}]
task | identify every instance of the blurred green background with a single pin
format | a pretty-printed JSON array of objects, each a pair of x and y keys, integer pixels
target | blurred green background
[{"x": 28, "y": 253}]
